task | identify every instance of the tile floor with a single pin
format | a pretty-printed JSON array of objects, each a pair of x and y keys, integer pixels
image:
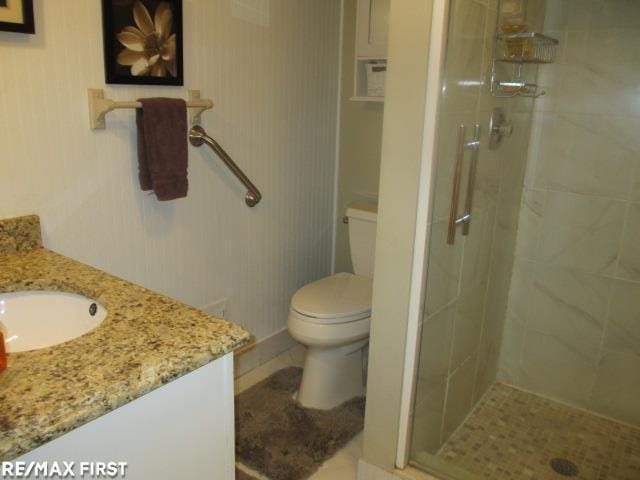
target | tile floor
[
  {"x": 343, "y": 465},
  {"x": 510, "y": 435},
  {"x": 513, "y": 435}
]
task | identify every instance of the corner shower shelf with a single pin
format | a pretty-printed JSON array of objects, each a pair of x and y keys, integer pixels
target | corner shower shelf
[
  {"x": 520, "y": 49},
  {"x": 526, "y": 47}
]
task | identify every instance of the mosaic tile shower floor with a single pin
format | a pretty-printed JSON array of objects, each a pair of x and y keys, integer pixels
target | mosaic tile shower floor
[{"x": 514, "y": 435}]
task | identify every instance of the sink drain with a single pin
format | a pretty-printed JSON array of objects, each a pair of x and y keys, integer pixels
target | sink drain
[{"x": 564, "y": 467}]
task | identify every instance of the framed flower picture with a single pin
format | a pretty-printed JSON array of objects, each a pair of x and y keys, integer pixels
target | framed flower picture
[
  {"x": 17, "y": 16},
  {"x": 143, "y": 41}
]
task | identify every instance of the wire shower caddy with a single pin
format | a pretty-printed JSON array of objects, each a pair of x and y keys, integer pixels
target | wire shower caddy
[{"x": 520, "y": 48}]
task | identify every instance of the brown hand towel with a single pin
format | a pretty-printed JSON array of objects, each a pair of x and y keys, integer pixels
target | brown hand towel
[{"x": 162, "y": 147}]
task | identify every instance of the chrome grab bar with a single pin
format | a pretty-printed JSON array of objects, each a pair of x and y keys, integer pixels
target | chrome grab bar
[
  {"x": 465, "y": 218},
  {"x": 198, "y": 136}
]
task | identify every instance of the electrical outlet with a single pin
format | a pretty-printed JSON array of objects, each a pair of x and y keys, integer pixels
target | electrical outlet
[{"x": 217, "y": 308}]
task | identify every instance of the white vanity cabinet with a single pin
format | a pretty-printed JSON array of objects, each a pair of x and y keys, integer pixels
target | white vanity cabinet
[
  {"x": 372, "y": 29},
  {"x": 182, "y": 430}
]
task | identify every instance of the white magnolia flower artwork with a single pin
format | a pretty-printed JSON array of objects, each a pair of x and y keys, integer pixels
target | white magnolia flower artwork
[{"x": 150, "y": 45}]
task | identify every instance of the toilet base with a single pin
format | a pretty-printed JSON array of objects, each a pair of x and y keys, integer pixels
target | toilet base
[{"x": 332, "y": 375}]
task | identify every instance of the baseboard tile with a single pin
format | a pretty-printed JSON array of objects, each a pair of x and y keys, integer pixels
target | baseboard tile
[
  {"x": 260, "y": 352},
  {"x": 245, "y": 348},
  {"x": 368, "y": 471}
]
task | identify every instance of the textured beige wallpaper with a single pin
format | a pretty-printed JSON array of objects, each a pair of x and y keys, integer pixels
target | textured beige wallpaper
[
  {"x": 272, "y": 74},
  {"x": 360, "y": 139}
]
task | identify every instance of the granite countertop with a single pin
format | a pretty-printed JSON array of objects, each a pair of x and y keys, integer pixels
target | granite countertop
[{"x": 146, "y": 341}]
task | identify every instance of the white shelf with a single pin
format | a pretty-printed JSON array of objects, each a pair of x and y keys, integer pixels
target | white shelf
[
  {"x": 372, "y": 25},
  {"x": 360, "y": 89},
  {"x": 361, "y": 98}
]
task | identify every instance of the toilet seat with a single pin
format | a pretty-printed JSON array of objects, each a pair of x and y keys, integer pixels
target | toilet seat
[
  {"x": 312, "y": 333},
  {"x": 340, "y": 298}
]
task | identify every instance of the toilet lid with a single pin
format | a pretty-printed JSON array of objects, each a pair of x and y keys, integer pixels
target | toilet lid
[{"x": 342, "y": 297}]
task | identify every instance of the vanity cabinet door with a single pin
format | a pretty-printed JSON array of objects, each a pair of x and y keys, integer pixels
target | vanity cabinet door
[
  {"x": 372, "y": 28},
  {"x": 182, "y": 430}
]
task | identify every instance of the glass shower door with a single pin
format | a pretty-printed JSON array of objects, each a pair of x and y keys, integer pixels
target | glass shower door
[
  {"x": 529, "y": 349},
  {"x": 467, "y": 253}
]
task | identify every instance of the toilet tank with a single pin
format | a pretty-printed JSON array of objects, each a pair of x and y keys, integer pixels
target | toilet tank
[{"x": 363, "y": 217}]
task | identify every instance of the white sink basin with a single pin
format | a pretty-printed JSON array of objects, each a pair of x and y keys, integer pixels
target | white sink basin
[{"x": 33, "y": 320}]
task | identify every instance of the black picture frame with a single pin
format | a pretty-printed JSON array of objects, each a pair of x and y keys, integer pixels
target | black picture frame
[
  {"x": 27, "y": 25},
  {"x": 161, "y": 68}
]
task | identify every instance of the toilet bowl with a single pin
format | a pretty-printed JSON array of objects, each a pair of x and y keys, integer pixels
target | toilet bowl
[{"x": 332, "y": 316}]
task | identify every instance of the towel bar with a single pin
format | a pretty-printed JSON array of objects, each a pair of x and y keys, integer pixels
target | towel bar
[
  {"x": 198, "y": 136},
  {"x": 100, "y": 106}
]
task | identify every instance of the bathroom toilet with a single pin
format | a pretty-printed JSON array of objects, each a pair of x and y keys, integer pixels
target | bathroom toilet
[{"x": 331, "y": 317}]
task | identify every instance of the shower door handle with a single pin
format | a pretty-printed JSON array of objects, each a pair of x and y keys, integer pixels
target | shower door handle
[
  {"x": 465, "y": 219},
  {"x": 474, "y": 146},
  {"x": 455, "y": 192}
]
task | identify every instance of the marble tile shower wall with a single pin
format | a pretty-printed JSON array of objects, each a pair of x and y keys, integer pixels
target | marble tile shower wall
[
  {"x": 460, "y": 344},
  {"x": 573, "y": 328}
]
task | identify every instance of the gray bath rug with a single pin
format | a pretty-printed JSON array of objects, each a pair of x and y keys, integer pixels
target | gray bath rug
[{"x": 283, "y": 441}]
